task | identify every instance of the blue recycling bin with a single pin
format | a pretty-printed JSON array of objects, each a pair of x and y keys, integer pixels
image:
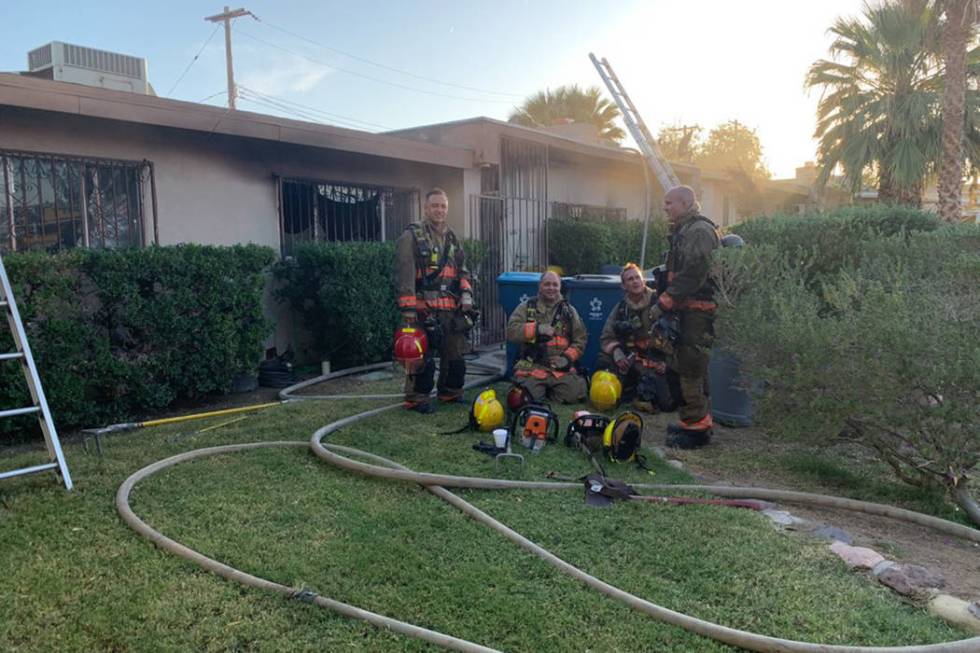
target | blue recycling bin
[
  {"x": 594, "y": 296},
  {"x": 514, "y": 288},
  {"x": 730, "y": 405}
]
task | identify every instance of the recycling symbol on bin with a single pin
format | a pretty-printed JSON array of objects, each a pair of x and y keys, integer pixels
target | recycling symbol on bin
[
  {"x": 524, "y": 298},
  {"x": 595, "y": 309}
]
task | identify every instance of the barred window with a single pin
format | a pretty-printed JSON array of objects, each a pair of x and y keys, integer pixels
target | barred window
[
  {"x": 313, "y": 211},
  {"x": 52, "y": 203},
  {"x": 600, "y": 213}
]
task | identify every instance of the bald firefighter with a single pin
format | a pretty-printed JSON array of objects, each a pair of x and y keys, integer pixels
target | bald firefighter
[
  {"x": 434, "y": 293},
  {"x": 552, "y": 338},
  {"x": 684, "y": 315}
]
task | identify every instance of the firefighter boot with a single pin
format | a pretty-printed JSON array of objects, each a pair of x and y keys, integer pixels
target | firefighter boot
[{"x": 690, "y": 435}]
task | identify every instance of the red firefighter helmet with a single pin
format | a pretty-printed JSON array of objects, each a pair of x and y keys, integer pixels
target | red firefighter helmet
[
  {"x": 517, "y": 397},
  {"x": 410, "y": 345}
]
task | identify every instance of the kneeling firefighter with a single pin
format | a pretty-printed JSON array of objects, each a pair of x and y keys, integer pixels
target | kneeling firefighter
[
  {"x": 552, "y": 338},
  {"x": 434, "y": 293},
  {"x": 628, "y": 348}
]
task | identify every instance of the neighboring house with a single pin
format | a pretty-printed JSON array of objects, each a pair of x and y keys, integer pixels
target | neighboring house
[
  {"x": 525, "y": 175},
  {"x": 969, "y": 199}
]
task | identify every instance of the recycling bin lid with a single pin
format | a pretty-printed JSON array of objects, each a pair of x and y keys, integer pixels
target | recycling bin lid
[
  {"x": 593, "y": 280},
  {"x": 519, "y": 277}
]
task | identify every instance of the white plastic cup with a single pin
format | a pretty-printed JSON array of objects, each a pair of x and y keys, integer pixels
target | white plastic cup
[{"x": 500, "y": 438}]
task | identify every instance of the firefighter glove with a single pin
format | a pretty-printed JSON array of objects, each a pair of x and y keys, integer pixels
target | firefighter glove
[{"x": 560, "y": 363}]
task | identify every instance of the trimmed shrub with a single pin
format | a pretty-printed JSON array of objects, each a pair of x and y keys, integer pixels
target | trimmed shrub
[
  {"x": 869, "y": 335},
  {"x": 583, "y": 245},
  {"x": 119, "y": 334},
  {"x": 344, "y": 294}
]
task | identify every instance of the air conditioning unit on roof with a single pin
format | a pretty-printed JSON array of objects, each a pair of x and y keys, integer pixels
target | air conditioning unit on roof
[{"x": 65, "y": 62}]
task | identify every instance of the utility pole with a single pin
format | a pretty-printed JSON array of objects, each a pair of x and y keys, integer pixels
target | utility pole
[{"x": 226, "y": 19}]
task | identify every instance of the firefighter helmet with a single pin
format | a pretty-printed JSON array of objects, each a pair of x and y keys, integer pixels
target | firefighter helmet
[
  {"x": 517, "y": 397},
  {"x": 410, "y": 345},
  {"x": 605, "y": 390},
  {"x": 732, "y": 240},
  {"x": 621, "y": 439},
  {"x": 487, "y": 413}
]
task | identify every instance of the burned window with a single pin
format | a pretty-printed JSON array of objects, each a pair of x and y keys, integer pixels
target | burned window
[
  {"x": 53, "y": 203},
  {"x": 589, "y": 212},
  {"x": 332, "y": 212}
]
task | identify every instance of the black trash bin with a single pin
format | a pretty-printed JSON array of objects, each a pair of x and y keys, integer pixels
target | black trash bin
[{"x": 730, "y": 405}]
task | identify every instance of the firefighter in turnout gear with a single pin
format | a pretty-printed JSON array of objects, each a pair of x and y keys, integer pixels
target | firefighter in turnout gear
[
  {"x": 434, "y": 293},
  {"x": 689, "y": 296},
  {"x": 628, "y": 350},
  {"x": 552, "y": 338}
]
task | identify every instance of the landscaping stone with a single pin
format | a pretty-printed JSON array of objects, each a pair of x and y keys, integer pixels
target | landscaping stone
[
  {"x": 832, "y": 533},
  {"x": 911, "y": 580},
  {"x": 857, "y": 557},
  {"x": 676, "y": 464},
  {"x": 659, "y": 452},
  {"x": 955, "y": 611},
  {"x": 882, "y": 566},
  {"x": 782, "y": 517},
  {"x": 974, "y": 609}
]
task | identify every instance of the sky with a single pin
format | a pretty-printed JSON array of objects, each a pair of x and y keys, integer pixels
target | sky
[{"x": 391, "y": 64}]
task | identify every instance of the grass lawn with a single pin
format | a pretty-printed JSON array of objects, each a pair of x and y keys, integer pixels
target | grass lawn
[{"x": 76, "y": 578}]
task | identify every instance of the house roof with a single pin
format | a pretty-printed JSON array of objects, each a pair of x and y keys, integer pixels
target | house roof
[
  {"x": 77, "y": 99},
  {"x": 538, "y": 135}
]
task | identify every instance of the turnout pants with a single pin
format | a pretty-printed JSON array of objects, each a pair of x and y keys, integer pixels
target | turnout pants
[
  {"x": 569, "y": 389},
  {"x": 689, "y": 362}
]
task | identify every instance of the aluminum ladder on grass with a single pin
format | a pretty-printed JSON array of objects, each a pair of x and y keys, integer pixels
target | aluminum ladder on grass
[
  {"x": 638, "y": 129},
  {"x": 22, "y": 353}
]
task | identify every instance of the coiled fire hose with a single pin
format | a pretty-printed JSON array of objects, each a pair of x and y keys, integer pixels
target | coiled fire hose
[{"x": 437, "y": 483}]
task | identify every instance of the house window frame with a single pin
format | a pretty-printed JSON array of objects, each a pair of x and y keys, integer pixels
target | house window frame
[
  {"x": 84, "y": 192},
  {"x": 388, "y": 193}
]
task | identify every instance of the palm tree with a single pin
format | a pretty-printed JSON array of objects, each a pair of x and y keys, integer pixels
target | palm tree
[
  {"x": 570, "y": 102},
  {"x": 961, "y": 16},
  {"x": 881, "y": 103}
]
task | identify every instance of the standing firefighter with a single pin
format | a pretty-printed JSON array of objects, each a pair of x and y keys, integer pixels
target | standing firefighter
[
  {"x": 627, "y": 346},
  {"x": 552, "y": 338},
  {"x": 434, "y": 293},
  {"x": 685, "y": 315}
]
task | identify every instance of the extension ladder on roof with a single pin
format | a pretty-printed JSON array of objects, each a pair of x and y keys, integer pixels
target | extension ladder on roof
[
  {"x": 638, "y": 129},
  {"x": 22, "y": 353}
]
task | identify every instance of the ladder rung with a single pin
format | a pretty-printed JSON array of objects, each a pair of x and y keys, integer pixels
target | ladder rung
[
  {"x": 14, "y": 412},
  {"x": 3, "y": 302},
  {"x": 29, "y": 470},
  {"x": 12, "y": 356}
]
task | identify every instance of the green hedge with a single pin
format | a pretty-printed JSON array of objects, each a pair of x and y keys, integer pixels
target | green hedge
[
  {"x": 344, "y": 295},
  {"x": 583, "y": 245},
  {"x": 864, "y": 328},
  {"x": 120, "y": 334}
]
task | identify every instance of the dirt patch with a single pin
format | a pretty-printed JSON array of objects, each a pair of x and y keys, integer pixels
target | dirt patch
[{"x": 957, "y": 559}]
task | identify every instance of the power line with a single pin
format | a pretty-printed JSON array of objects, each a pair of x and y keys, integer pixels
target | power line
[
  {"x": 383, "y": 66},
  {"x": 306, "y": 107},
  {"x": 292, "y": 111},
  {"x": 170, "y": 92},
  {"x": 213, "y": 95},
  {"x": 373, "y": 79}
]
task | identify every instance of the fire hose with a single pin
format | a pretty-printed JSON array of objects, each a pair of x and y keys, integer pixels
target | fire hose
[{"x": 437, "y": 483}]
